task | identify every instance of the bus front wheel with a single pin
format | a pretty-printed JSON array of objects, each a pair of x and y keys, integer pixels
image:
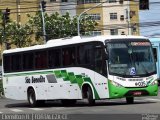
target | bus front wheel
[
  {"x": 130, "y": 100},
  {"x": 90, "y": 99}
]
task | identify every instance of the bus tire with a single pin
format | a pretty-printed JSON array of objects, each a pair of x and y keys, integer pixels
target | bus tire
[
  {"x": 32, "y": 98},
  {"x": 68, "y": 102},
  {"x": 130, "y": 100},
  {"x": 90, "y": 99}
]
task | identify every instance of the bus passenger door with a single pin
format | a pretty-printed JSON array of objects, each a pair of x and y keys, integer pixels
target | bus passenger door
[
  {"x": 156, "y": 58},
  {"x": 100, "y": 72}
]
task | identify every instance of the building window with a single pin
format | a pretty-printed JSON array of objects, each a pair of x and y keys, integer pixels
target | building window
[
  {"x": 113, "y": 16},
  {"x": 114, "y": 31},
  {"x": 95, "y": 33},
  {"x": 64, "y": 0},
  {"x": 95, "y": 16},
  {"x": 87, "y": 1},
  {"x": 112, "y": 1},
  {"x": 52, "y": 0}
]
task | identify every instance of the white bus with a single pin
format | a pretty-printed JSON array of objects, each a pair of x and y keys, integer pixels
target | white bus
[{"x": 91, "y": 68}]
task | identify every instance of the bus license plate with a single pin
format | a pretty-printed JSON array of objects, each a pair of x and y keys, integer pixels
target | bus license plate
[{"x": 137, "y": 93}]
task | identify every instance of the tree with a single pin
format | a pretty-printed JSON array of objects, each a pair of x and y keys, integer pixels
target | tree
[
  {"x": 1, "y": 28},
  {"x": 19, "y": 35},
  {"x": 60, "y": 26}
]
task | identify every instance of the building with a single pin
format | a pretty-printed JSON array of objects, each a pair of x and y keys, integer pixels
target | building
[
  {"x": 114, "y": 17},
  {"x": 19, "y": 9},
  {"x": 61, "y": 6}
]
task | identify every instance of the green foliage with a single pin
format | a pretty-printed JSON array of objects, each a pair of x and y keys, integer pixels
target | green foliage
[
  {"x": 58, "y": 26},
  {"x": 19, "y": 35}
]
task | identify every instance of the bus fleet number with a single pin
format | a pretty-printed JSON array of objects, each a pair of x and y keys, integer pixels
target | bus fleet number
[{"x": 140, "y": 84}]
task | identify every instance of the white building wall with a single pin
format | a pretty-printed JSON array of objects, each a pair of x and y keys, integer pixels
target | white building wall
[
  {"x": 120, "y": 9},
  {"x": 69, "y": 6}
]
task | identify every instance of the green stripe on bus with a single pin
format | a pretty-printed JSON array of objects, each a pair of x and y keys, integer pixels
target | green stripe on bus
[
  {"x": 69, "y": 76},
  {"x": 27, "y": 73},
  {"x": 66, "y": 76}
]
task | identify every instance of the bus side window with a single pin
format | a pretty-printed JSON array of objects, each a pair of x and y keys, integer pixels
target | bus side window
[
  {"x": 155, "y": 54},
  {"x": 69, "y": 56},
  {"x": 16, "y": 63},
  {"x": 28, "y": 61},
  {"x": 7, "y": 63},
  {"x": 54, "y": 58},
  {"x": 98, "y": 60},
  {"x": 84, "y": 54},
  {"x": 40, "y": 60}
]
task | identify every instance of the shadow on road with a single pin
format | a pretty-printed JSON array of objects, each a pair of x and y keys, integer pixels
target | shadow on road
[{"x": 79, "y": 104}]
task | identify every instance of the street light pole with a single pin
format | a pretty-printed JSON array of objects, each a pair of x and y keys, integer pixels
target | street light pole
[
  {"x": 78, "y": 19},
  {"x": 43, "y": 23}
]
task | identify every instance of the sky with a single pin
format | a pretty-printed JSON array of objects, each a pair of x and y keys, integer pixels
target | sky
[{"x": 151, "y": 15}]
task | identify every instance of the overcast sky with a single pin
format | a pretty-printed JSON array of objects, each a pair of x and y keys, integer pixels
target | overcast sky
[{"x": 151, "y": 15}]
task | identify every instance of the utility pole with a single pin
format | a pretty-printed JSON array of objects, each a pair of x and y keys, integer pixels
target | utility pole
[
  {"x": 17, "y": 5},
  {"x": 78, "y": 19},
  {"x": 128, "y": 17},
  {"x": 43, "y": 7},
  {"x": 6, "y": 15}
]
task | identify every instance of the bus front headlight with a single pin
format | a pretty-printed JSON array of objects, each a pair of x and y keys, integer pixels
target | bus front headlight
[
  {"x": 155, "y": 82},
  {"x": 116, "y": 84}
]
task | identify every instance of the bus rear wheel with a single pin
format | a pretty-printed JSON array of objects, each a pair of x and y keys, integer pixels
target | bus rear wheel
[
  {"x": 32, "y": 99},
  {"x": 130, "y": 100}
]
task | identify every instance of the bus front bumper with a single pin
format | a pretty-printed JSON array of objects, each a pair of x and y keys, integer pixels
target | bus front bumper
[{"x": 120, "y": 92}]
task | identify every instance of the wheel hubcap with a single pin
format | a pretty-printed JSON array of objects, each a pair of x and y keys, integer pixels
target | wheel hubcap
[{"x": 31, "y": 99}]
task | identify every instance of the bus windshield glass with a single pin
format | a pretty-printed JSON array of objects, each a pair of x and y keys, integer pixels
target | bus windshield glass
[{"x": 131, "y": 59}]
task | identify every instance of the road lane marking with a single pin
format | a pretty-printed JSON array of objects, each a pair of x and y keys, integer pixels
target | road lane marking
[
  {"x": 36, "y": 109},
  {"x": 147, "y": 99},
  {"x": 151, "y": 99},
  {"x": 16, "y": 110},
  {"x": 58, "y": 108}
]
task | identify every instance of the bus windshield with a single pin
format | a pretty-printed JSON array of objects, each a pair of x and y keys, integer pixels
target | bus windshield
[{"x": 131, "y": 59}]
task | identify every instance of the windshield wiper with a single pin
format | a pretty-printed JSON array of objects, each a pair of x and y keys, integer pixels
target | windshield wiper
[{"x": 144, "y": 68}]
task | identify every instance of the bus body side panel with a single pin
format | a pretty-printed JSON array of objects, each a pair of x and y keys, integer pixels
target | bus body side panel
[
  {"x": 15, "y": 88},
  {"x": 57, "y": 84},
  {"x": 74, "y": 78}
]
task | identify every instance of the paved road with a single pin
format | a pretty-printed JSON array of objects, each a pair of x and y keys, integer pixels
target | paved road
[
  {"x": 118, "y": 106},
  {"x": 142, "y": 105}
]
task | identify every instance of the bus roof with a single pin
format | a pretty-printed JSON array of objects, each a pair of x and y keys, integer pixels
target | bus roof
[
  {"x": 72, "y": 40},
  {"x": 154, "y": 39}
]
